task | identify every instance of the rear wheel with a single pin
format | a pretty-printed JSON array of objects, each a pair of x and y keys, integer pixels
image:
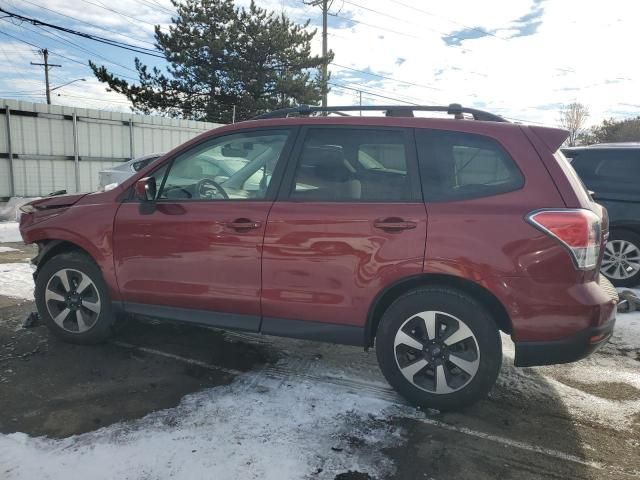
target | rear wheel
[
  {"x": 621, "y": 259},
  {"x": 73, "y": 300},
  {"x": 439, "y": 348}
]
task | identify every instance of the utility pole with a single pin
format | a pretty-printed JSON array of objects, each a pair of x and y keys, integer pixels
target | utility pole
[
  {"x": 325, "y": 79},
  {"x": 325, "y": 5},
  {"x": 47, "y": 66}
]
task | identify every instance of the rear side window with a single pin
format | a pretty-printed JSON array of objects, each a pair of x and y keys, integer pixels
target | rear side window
[
  {"x": 609, "y": 169},
  {"x": 458, "y": 165},
  {"x": 620, "y": 165},
  {"x": 353, "y": 164}
]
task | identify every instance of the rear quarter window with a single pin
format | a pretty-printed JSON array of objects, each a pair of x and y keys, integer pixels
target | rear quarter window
[
  {"x": 609, "y": 169},
  {"x": 459, "y": 165}
]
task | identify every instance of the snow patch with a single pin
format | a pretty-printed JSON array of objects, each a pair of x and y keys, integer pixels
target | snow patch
[
  {"x": 16, "y": 280},
  {"x": 9, "y": 232},
  {"x": 8, "y": 249},
  {"x": 627, "y": 330},
  {"x": 256, "y": 428}
]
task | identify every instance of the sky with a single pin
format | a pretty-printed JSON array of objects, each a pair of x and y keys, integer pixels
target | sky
[{"x": 523, "y": 59}]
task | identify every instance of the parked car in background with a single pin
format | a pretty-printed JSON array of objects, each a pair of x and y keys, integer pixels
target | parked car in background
[
  {"x": 214, "y": 166},
  {"x": 119, "y": 173},
  {"x": 611, "y": 172},
  {"x": 423, "y": 236}
]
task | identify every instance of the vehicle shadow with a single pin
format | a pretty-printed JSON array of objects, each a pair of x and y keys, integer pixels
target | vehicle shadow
[
  {"x": 522, "y": 431},
  {"x": 58, "y": 389}
]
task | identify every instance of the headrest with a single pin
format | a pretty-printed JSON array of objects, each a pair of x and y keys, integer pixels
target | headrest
[{"x": 328, "y": 162}]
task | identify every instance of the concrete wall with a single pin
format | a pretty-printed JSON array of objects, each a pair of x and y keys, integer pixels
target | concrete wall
[{"x": 43, "y": 144}]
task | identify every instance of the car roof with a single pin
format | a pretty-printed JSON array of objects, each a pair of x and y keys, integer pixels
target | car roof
[
  {"x": 145, "y": 157},
  {"x": 377, "y": 121},
  {"x": 605, "y": 146}
]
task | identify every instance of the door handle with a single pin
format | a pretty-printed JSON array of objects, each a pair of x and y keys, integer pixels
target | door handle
[
  {"x": 243, "y": 224},
  {"x": 394, "y": 224}
]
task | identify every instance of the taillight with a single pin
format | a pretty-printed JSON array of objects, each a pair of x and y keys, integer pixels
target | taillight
[{"x": 578, "y": 230}]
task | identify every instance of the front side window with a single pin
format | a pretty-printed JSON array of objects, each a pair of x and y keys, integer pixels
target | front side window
[
  {"x": 458, "y": 165},
  {"x": 352, "y": 164},
  {"x": 235, "y": 167}
]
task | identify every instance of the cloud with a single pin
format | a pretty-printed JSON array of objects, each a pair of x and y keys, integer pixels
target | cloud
[{"x": 534, "y": 57}]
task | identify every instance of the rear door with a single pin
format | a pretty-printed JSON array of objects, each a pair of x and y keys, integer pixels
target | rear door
[{"x": 349, "y": 220}]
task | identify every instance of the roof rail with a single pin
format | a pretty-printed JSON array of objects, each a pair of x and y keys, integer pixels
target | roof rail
[{"x": 390, "y": 110}]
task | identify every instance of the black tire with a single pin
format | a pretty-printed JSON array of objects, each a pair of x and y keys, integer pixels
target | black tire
[
  {"x": 101, "y": 322},
  {"x": 464, "y": 308},
  {"x": 632, "y": 238}
]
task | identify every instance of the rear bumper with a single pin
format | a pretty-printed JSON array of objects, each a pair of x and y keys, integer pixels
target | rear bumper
[
  {"x": 571, "y": 349},
  {"x": 557, "y": 322}
]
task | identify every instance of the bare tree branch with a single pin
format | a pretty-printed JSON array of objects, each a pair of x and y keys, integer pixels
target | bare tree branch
[{"x": 574, "y": 118}]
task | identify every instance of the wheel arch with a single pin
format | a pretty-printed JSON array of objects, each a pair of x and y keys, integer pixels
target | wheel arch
[
  {"x": 50, "y": 248},
  {"x": 390, "y": 293}
]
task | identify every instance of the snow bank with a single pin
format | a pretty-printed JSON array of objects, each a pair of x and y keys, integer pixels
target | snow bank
[
  {"x": 16, "y": 280},
  {"x": 256, "y": 428},
  {"x": 8, "y": 249},
  {"x": 9, "y": 232}
]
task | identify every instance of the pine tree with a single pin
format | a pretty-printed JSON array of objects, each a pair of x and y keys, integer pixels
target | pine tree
[{"x": 220, "y": 56}]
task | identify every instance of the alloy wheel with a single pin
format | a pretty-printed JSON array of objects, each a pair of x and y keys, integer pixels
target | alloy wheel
[
  {"x": 621, "y": 260},
  {"x": 436, "y": 352},
  {"x": 72, "y": 300}
]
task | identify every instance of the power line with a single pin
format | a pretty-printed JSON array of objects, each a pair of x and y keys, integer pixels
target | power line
[
  {"x": 107, "y": 41},
  {"x": 9, "y": 62},
  {"x": 137, "y": 20},
  {"x": 484, "y": 32},
  {"x": 43, "y": 33},
  {"x": 366, "y": 92},
  {"x": 88, "y": 23},
  {"x": 91, "y": 52},
  {"x": 57, "y": 54},
  {"x": 383, "y": 91},
  {"x": 349, "y": 2},
  {"x": 372, "y": 74},
  {"x": 477, "y": 29},
  {"x": 19, "y": 39},
  {"x": 155, "y": 4},
  {"x": 178, "y": 107},
  {"x": 377, "y": 27}
]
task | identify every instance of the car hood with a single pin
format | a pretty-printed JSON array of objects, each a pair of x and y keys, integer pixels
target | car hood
[{"x": 57, "y": 201}]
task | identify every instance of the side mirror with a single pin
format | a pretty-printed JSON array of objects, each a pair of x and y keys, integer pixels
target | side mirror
[{"x": 146, "y": 189}]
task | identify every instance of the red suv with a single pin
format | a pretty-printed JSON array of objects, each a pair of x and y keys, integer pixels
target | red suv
[{"x": 423, "y": 236}]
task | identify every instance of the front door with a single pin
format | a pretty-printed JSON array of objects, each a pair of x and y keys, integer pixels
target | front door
[
  {"x": 348, "y": 222},
  {"x": 194, "y": 254}
]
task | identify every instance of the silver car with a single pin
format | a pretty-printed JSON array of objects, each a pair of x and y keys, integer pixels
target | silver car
[
  {"x": 217, "y": 168},
  {"x": 119, "y": 173}
]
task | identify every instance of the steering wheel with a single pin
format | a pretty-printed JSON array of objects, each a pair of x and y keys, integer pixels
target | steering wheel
[{"x": 209, "y": 189}]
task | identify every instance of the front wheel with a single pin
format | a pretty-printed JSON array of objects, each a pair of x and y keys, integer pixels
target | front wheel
[
  {"x": 73, "y": 300},
  {"x": 439, "y": 348}
]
